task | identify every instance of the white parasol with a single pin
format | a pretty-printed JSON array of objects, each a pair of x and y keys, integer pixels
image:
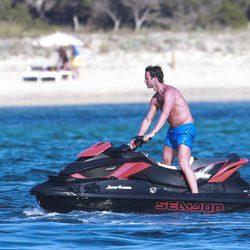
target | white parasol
[{"x": 58, "y": 39}]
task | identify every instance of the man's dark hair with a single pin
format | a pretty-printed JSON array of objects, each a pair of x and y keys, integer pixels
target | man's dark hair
[{"x": 155, "y": 71}]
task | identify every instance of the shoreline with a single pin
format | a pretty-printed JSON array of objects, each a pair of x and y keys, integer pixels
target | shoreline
[{"x": 63, "y": 98}]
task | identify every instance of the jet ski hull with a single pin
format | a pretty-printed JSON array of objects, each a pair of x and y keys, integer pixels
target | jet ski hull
[{"x": 133, "y": 196}]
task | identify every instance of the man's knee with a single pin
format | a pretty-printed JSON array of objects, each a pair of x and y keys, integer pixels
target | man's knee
[
  {"x": 184, "y": 163},
  {"x": 166, "y": 160},
  {"x": 169, "y": 155}
]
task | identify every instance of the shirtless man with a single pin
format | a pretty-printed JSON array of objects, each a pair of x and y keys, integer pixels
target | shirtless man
[{"x": 175, "y": 110}]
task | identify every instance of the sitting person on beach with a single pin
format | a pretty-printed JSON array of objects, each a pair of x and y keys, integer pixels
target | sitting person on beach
[
  {"x": 63, "y": 61},
  {"x": 175, "y": 110}
]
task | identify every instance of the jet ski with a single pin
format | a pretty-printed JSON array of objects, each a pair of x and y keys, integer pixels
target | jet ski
[{"x": 122, "y": 179}]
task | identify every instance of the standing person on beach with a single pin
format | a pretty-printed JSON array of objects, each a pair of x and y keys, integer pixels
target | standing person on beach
[
  {"x": 76, "y": 61},
  {"x": 175, "y": 110}
]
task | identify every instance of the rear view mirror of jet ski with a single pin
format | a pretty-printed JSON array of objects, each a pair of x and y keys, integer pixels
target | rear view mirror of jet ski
[{"x": 122, "y": 179}]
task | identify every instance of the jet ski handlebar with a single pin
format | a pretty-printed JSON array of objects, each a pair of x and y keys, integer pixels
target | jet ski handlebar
[{"x": 136, "y": 142}]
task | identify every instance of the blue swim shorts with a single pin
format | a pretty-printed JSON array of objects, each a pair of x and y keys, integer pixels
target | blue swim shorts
[{"x": 183, "y": 134}]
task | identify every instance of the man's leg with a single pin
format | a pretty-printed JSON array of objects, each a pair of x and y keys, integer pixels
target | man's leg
[
  {"x": 169, "y": 154},
  {"x": 184, "y": 154}
]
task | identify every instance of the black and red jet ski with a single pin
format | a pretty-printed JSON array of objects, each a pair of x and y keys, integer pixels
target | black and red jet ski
[{"x": 119, "y": 179}]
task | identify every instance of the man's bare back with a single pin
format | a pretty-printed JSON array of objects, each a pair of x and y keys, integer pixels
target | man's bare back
[{"x": 179, "y": 113}]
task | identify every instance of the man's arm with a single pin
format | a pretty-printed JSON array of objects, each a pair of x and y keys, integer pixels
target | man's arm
[
  {"x": 149, "y": 117},
  {"x": 166, "y": 109}
]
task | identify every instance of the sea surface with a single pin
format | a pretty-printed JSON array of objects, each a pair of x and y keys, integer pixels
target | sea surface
[{"x": 39, "y": 141}]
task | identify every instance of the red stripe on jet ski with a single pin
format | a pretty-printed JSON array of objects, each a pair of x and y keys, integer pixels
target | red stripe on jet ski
[
  {"x": 96, "y": 149},
  {"x": 129, "y": 168},
  {"x": 227, "y": 170}
]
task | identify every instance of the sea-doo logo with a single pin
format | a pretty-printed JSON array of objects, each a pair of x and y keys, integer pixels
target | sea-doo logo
[
  {"x": 118, "y": 187},
  {"x": 181, "y": 206}
]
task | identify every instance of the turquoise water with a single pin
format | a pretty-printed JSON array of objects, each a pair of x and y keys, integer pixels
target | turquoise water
[{"x": 36, "y": 142}]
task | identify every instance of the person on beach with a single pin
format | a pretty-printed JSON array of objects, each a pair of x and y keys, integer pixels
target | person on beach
[
  {"x": 63, "y": 60},
  {"x": 76, "y": 61},
  {"x": 175, "y": 110}
]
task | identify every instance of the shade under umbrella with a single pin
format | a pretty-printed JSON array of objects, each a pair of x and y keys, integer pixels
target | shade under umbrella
[{"x": 59, "y": 39}]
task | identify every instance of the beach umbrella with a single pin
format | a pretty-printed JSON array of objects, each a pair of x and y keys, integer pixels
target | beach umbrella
[{"x": 58, "y": 39}]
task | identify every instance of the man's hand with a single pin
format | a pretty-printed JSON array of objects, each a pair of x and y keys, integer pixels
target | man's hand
[{"x": 149, "y": 136}]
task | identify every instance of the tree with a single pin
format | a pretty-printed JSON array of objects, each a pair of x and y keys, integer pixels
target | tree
[
  {"x": 61, "y": 12},
  {"x": 80, "y": 11},
  {"x": 113, "y": 8},
  {"x": 232, "y": 14},
  {"x": 15, "y": 12},
  {"x": 187, "y": 13},
  {"x": 142, "y": 10},
  {"x": 245, "y": 4},
  {"x": 41, "y": 7}
]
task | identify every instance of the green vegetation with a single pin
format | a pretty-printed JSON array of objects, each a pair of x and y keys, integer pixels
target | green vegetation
[
  {"x": 231, "y": 14},
  {"x": 16, "y": 20},
  {"x": 32, "y": 17}
]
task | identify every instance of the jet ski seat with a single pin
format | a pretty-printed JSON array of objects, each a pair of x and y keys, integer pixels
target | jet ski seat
[{"x": 191, "y": 161}]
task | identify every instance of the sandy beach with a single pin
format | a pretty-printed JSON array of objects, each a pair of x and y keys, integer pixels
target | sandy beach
[{"x": 205, "y": 67}]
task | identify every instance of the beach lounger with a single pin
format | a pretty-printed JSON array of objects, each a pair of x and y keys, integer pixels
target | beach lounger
[{"x": 45, "y": 75}]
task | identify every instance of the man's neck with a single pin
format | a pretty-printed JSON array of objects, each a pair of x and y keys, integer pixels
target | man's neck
[{"x": 159, "y": 88}]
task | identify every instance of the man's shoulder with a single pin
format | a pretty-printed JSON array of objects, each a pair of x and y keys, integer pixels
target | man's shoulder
[{"x": 169, "y": 89}]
